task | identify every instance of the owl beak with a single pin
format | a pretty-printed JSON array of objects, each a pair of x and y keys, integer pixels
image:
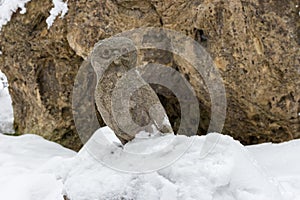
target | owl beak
[{"x": 117, "y": 62}]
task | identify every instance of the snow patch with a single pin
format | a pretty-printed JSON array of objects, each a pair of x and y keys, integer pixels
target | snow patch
[
  {"x": 6, "y": 110},
  {"x": 59, "y": 7},
  {"x": 8, "y": 7}
]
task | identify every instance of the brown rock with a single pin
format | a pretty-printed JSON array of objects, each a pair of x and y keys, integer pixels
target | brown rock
[
  {"x": 255, "y": 45},
  {"x": 41, "y": 68}
]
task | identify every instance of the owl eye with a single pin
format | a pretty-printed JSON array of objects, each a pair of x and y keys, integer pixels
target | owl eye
[
  {"x": 106, "y": 53},
  {"x": 124, "y": 50}
]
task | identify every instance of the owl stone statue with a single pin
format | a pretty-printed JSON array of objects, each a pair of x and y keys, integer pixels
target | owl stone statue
[{"x": 127, "y": 104}]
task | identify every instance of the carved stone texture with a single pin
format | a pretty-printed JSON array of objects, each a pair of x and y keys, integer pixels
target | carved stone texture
[{"x": 127, "y": 104}]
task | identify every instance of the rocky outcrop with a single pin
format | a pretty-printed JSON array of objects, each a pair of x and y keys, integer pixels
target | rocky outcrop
[
  {"x": 254, "y": 44},
  {"x": 41, "y": 68}
]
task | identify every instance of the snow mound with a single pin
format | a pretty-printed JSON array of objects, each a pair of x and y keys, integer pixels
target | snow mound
[
  {"x": 227, "y": 172},
  {"x": 22, "y": 160},
  {"x": 281, "y": 161},
  {"x": 32, "y": 168}
]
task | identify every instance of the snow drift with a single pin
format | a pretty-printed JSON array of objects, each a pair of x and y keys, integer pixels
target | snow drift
[{"x": 33, "y": 168}]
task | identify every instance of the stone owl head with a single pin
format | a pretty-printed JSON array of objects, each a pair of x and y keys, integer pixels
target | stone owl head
[{"x": 119, "y": 51}]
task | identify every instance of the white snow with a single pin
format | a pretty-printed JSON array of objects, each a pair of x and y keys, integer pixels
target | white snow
[
  {"x": 226, "y": 173},
  {"x": 281, "y": 161},
  {"x": 60, "y": 7},
  {"x": 8, "y": 7},
  {"x": 33, "y": 168},
  {"x": 21, "y": 168},
  {"x": 6, "y": 110}
]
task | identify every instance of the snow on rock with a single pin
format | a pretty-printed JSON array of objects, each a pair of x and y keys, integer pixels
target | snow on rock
[
  {"x": 60, "y": 7},
  {"x": 8, "y": 7},
  {"x": 6, "y": 110},
  {"x": 3, "y": 84}
]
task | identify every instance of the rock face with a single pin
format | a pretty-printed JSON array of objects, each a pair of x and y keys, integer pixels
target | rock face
[
  {"x": 254, "y": 44},
  {"x": 41, "y": 68}
]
